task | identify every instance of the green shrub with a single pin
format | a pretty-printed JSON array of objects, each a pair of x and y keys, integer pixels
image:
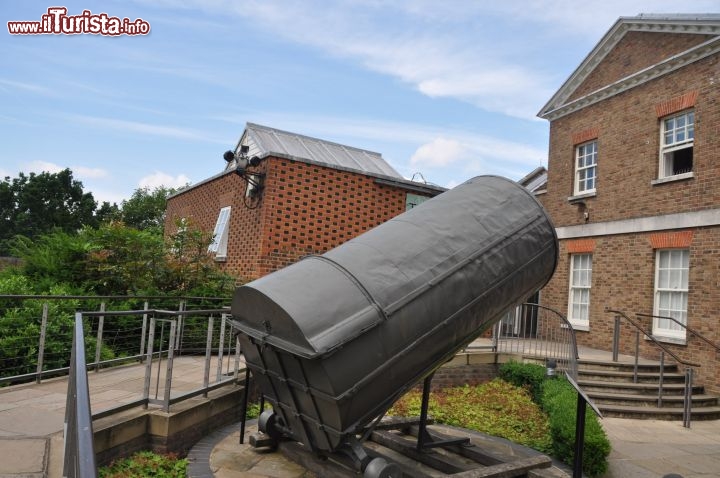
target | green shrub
[
  {"x": 146, "y": 464},
  {"x": 526, "y": 375},
  {"x": 559, "y": 400},
  {"x": 496, "y": 408}
]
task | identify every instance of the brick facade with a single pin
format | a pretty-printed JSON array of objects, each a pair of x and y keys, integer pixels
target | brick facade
[
  {"x": 619, "y": 224},
  {"x": 304, "y": 209}
]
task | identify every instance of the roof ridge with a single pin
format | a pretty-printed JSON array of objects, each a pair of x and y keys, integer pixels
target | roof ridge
[{"x": 250, "y": 125}]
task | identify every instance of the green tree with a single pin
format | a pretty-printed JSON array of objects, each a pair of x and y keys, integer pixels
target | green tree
[
  {"x": 146, "y": 208},
  {"x": 39, "y": 203}
]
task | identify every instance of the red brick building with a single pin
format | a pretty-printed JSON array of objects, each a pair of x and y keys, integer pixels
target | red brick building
[
  {"x": 634, "y": 186},
  {"x": 305, "y": 196}
]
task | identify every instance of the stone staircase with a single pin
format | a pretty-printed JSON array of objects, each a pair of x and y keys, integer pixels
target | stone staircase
[{"x": 611, "y": 387}]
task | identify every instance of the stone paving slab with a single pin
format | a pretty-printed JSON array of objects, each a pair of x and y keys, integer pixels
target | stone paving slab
[{"x": 29, "y": 457}]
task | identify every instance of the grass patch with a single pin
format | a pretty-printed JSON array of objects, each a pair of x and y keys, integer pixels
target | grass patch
[
  {"x": 496, "y": 408},
  {"x": 146, "y": 464}
]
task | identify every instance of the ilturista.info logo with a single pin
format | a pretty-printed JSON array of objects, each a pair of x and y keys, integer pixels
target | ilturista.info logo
[{"x": 57, "y": 22}]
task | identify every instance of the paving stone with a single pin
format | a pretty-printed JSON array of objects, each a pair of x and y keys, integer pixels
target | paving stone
[{"x": 28, "y": 455}]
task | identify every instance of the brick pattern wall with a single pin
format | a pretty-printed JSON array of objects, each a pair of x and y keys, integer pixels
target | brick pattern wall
[
  {"x": 304, "y": 209},
  {"x": 636, "y": 51},
  {"x": 628, "y": 137},
  {"x": 623, "y": 278},
  {"x": 629, "y": 151},
  {"x": 201, "y": 206},
  {"x": 311, "y": 209}
]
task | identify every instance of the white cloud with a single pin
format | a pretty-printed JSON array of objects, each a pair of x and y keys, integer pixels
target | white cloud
[
  {"x": 158, "y": 179},
  {"x": 7, "y": 85},
  {"x": 43, "y": 166},
  {"x": 89, "y": 173},
  {"x": 438, "y": 153},
  {"x": 145, "y": 128}
]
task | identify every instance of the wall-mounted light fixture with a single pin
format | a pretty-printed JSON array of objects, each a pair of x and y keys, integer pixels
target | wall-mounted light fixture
[
  {"x": 582, "y": 207},
  {"x": 254, "y": 180}
]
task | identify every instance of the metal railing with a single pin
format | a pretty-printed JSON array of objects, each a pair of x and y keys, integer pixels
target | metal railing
[
  {"x": 36, "y": 337},
  {"x": 79, "y": 451},
  {"x": 538, "y": 332},
  {"x": 79, "y": 457},
  {"x": 689, "y": 366},
  {"x": 693, "y": 331}
]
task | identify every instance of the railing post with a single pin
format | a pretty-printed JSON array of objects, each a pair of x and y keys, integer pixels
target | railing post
[
  {"x": 168, "y": 374},
  {"x": 148, "y": 361},
  {"x": 662, "y": 373},
  {"x": 98, "y": 344},
  {"x": 616, "y": 339},
  {"x": 687, "y": 409},
  {"x": 220, "y": 347},
  {"x": 144, "y": 330},
  {"x": 237, "y": 357},
  {"x": 180, "y": 326},
  {"x": 637, "y": 355},
  {"x": 41, "y": 345},
  {"x": 208, "y": 355}
]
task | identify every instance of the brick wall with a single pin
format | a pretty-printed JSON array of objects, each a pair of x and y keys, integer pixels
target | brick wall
[
  {"x": 623, "y": 279},
  {"x": 628, "y": 151},
  {"x": 627, "y": 128},
  {"x": 304, "y": 209},
  {"x": 636, "y": 51}
]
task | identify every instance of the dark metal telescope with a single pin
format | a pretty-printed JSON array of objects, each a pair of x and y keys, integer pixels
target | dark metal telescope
[{"x": 334, "y": 340}]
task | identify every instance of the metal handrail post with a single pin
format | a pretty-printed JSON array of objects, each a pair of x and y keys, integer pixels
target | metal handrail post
[
  {"x": 148, "y": 361},
  {"x": 41, "y": 345},
  {"x": 637, "y": 356},
  {"x": 169, "y": 370},
  {"x": 144, "y": 329},
  {"x": 616, "y": 339},
  {"x": 237, "y": 357},
  {"x": 221, "y": 341},
  {"x": 98, "y": 344},
  {"x": 687, "y": 411},
  {"x": 660, "y": 384},
  {"x": 181, "y": 326},
  {"x": 208, "y": 355}
]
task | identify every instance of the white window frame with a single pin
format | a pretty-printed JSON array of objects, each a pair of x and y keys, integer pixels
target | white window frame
[
  {"x": 585, "y": 162},
  {"x": 220, "y": 234},
  {"x": 672, "y": 271},
  {"x": 580, "y": 284},
  {"x": 675, "y": 138}
]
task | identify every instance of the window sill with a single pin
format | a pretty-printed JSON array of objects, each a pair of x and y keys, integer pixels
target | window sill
[
  {"x": 670, "y": 179},
  {"x": 668, "y": 340},
  {"x": 580, "y": 197},
  {"x": 220, "y": 258},
  {"x": 578, "y": 327}
]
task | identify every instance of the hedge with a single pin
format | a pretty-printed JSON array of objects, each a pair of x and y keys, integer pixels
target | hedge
[{"x": 559, "y": 400}]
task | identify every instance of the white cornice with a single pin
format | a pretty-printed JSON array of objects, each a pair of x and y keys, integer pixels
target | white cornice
[
  {"x": 683, "y": 220},
  {"x": 701, "y": 25}
]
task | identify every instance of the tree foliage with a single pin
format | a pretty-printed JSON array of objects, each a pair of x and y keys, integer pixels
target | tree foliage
[
  {"x": 146, "y": 208},
  {"x": 39, "y": 203},
  {"x": 115, "y": 259}
]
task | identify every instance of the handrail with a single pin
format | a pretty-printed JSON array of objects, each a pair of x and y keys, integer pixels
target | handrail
[
  {"x": 689, "y": 370},
  {"x": 79, "y": 460},
  {"x": 686, "y": 327},
  {"x": 651, "y": 337},
  {"x": 548, "y": 338}
]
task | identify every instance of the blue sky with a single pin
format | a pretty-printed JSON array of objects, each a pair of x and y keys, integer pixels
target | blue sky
[{"x": 449, "y": 89}]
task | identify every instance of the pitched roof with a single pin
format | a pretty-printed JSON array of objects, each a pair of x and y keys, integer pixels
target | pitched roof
[
  {"x": 536, "y": 180},
  {"x": 265, "y": 141},
  {"x": 702, "y": 24}
]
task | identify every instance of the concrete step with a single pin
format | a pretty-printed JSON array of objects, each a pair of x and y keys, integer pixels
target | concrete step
[
  {"x": 636, "y": 388},
  {"x": 627, "y": 376},
  {"x": 635, "y": 400},
  {"x": 644, "y": 367},
  {"x": 654, "y": 413}
]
